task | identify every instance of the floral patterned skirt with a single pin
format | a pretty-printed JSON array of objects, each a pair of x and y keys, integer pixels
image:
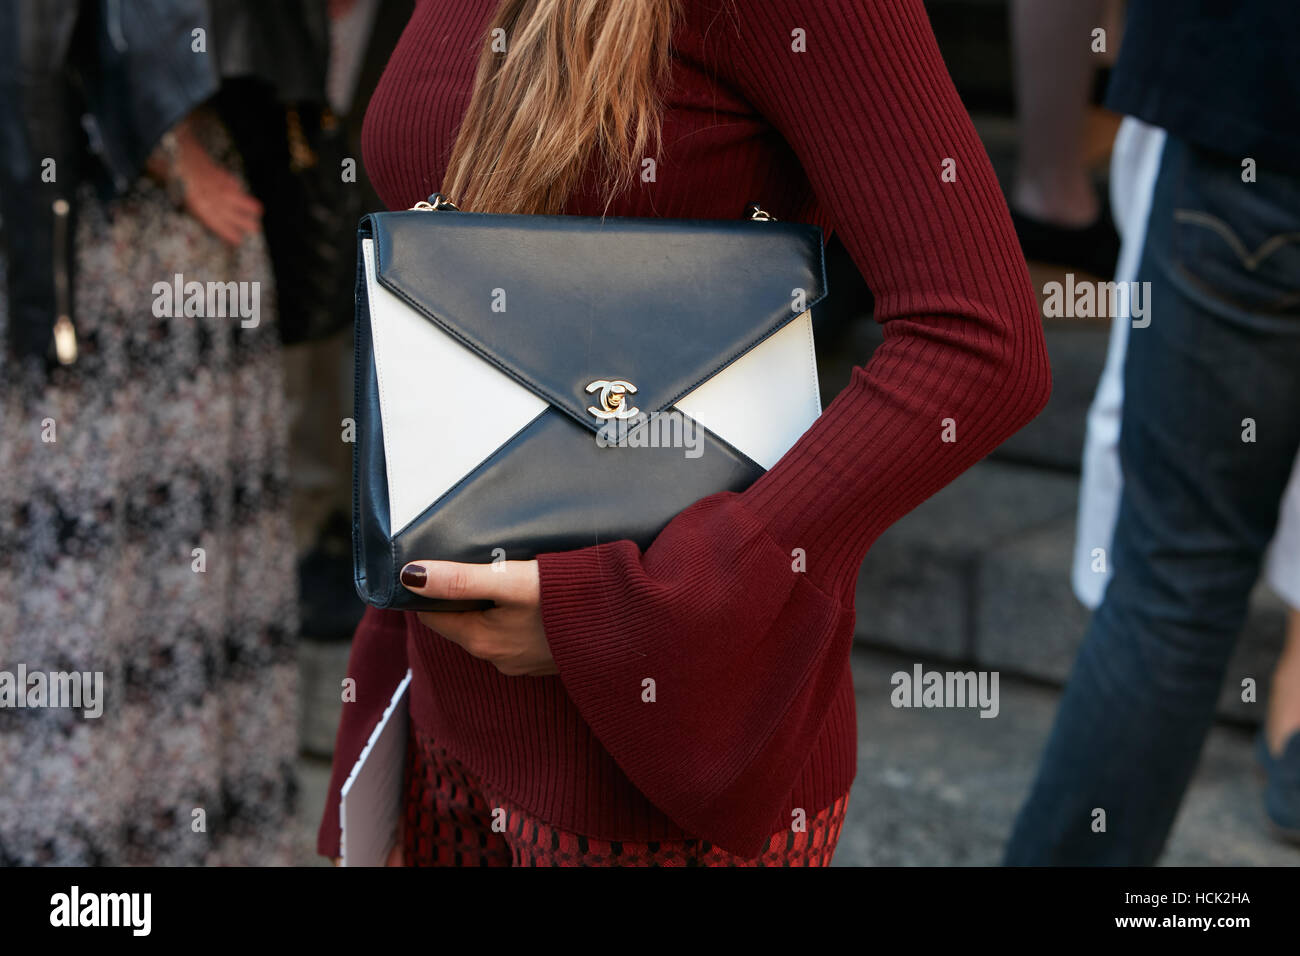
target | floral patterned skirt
[{"x": 145, "y": 535}]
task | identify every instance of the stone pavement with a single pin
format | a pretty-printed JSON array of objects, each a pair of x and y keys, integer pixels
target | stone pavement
[
  {"x": 941, "y": 787},
  {"x": 981, "y": 573}
]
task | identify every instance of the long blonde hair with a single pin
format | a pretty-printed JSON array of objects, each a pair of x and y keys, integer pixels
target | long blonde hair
[{"x": 579, "y": 82}]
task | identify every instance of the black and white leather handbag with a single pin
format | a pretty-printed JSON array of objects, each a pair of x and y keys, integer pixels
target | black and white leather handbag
[{"x": 528, "y": 384}]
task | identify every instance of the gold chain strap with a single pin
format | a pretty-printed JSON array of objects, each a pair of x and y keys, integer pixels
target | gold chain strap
[{"x": 438, "y": 201}]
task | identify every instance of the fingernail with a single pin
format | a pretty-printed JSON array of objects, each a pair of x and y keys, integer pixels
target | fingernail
[{"x": 414, "y": 576}]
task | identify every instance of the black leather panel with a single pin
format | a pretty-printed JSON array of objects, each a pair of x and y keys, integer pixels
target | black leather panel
[
  {"x": 661, "y": 303},
  {"x": 372, "y": 561},
  {"x": 553, "y": 488}
]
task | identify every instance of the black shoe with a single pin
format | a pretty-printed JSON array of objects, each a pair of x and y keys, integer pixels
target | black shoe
[
  {"x": 1093, "y": 248},
  {"x": 1282, "y": 790}
]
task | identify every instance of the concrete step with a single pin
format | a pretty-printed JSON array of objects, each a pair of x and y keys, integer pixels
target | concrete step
[
  {"x": 917, "y": 589},
  {"x": 981, "y": 573},
  {"x": 1077, "y": 351},
  {"x": 1029, "y": 622}
]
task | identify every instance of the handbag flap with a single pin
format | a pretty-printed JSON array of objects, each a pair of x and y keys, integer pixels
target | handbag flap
[{"x": 560, "y": 302}]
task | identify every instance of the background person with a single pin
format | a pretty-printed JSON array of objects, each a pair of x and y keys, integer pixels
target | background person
[
  {"x": 1054, "y": 204},
  {"x": 169, "y": 436},
  {"x": 1198, "y": 505}
]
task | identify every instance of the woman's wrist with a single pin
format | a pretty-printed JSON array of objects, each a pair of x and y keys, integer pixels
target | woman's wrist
[
  {"x": 174, "y": 182},
  {"x": 166, "y": 163}
]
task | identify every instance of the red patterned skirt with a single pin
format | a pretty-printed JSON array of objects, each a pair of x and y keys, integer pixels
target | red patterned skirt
[{"x": 451, "y": 819}]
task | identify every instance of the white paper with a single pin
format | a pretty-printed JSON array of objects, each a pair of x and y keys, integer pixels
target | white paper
[{"x": 372, "y": 795}]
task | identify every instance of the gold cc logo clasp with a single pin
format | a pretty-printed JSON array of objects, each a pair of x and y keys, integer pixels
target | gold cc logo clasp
[{"x": 613, "y": 399}]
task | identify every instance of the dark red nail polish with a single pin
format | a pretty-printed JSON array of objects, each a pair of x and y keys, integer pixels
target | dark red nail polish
[{"x": 414, "y": 576}]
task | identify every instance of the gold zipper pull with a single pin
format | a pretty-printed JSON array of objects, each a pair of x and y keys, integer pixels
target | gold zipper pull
[
  {"x": 65, "y": 336},
  {"x": 65, "y": 340}
]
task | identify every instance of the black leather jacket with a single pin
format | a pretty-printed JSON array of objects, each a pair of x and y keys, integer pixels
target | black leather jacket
[
  {"x": 110, "y": 75},
  {"x": 92, "y": 85}
]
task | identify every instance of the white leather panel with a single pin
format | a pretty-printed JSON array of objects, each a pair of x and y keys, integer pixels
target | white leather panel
[
  {"x": 766, "y": 399},
  {"x": 444, "y": 408}
]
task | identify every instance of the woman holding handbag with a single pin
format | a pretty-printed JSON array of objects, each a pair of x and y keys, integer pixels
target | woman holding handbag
[{"x": 692, "y": 703}]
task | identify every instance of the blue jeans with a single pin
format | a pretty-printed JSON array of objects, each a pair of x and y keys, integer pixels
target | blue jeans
[{"x": 1219, "y": 364}]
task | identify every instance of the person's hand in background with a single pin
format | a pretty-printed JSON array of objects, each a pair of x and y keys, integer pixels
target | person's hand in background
[
  {"x": 207, "y": 191},
  {"x": 214, "y": 196}
]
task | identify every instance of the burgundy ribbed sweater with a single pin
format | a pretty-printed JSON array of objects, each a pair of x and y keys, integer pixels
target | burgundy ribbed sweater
[{"x": 754, "y": 710}]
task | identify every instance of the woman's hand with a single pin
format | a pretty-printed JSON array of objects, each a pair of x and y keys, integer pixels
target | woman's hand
[
  {"x": 208, "y": 191},
  {"x": 215, "y": 196},
  {"x": 508, "y": 636}
]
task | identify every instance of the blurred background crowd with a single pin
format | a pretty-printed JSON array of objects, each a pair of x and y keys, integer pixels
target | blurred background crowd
[{"x": 175, "y": 491}]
